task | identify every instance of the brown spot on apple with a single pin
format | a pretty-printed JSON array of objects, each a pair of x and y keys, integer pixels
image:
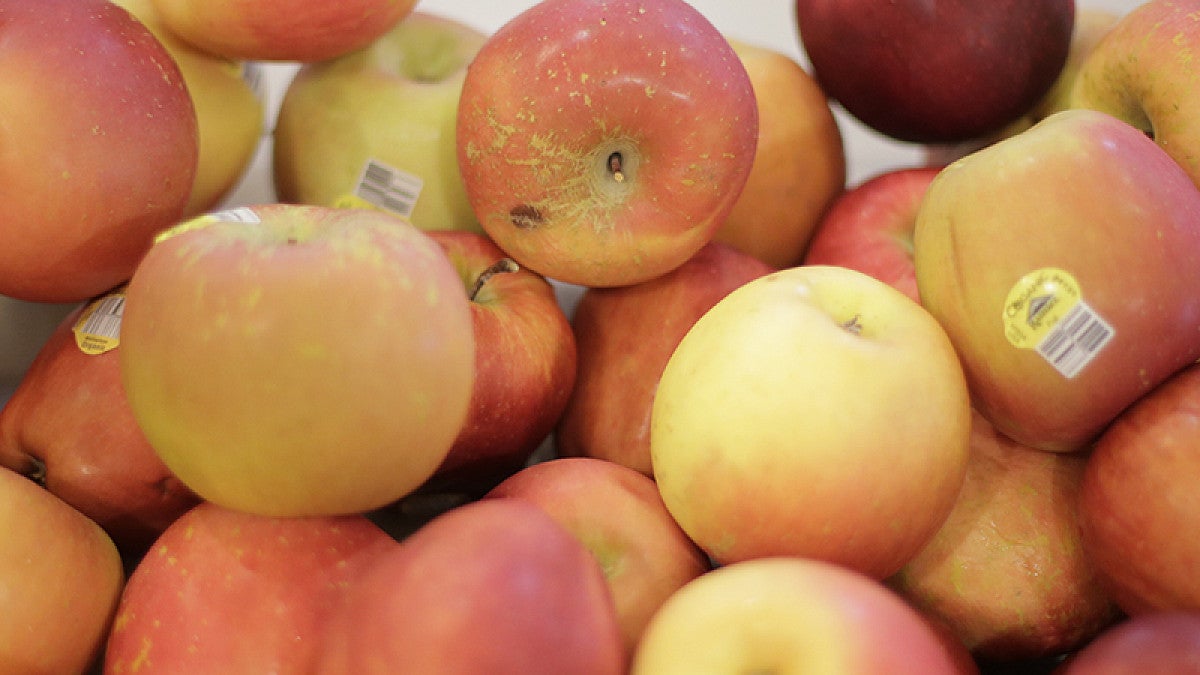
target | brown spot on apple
[{"x": 525, "y": 216}]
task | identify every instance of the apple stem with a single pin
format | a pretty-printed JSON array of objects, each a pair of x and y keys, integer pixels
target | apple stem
[
  {"x": 37, "y": 471},
  {"x": 853, "y": 325},
  {"x": 501, "y": 266},
  {"x": 615, "y": 163}
]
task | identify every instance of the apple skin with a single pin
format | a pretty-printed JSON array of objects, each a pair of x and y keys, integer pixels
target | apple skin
[
  {"x": 1159, "y": 642},
  {"x": 68, "y": 424},
  {"x": 317, "y": 362},
  {"x": 394, "y": 101},
  {"x": 71, "y": 116},
  {"x": 230, "y": 114},
  {"x": 869, "y": 228},
  {"x": 787, "y": 191},
  {"x": 1006, "y": 573},
  {"x": 611, "y": 153},
  {"x": 618, "y": 514},
  {"x": 525, "y": 358},
  {"x": 281, "y": 30},
  {"x": 1141, "y": 73},
  {"x": 994, "y": 218},
  {"x": 60, "y": 580},
  {"x": 624, "y": 336},
  {"x": 793, "y": 616},
  {"x": 760, "y": 447},
  {"x": 498, "y": 587},
  {"x": 1139, "y": 495},
  {"x": 926, "y": 73},
  {"x": 227, "y": 591}
]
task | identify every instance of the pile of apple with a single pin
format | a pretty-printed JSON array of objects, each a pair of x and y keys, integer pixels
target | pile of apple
[{"x": 942, "y": 421}]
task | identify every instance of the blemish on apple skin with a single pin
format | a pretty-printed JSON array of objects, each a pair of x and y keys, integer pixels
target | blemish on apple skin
[{"x": 525, "y": 216}]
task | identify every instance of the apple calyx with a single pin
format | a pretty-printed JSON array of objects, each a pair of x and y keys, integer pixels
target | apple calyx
[
  {"x": 501, "y": 266},
  {"x": 615, "y": 162},
  {"x": 853, "y": 325},
  {"x": 36, "y": 471}
]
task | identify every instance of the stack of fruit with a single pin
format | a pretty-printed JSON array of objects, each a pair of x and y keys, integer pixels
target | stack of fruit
[{"x": 578, "y": 346}]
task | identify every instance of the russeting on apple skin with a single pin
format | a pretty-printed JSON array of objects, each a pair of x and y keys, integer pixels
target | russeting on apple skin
[{"x": 603, "y": 143}]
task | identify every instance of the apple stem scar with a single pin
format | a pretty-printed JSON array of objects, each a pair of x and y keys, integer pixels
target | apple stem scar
[
  {"x": 853, "y": 325},
  {"x": 615, "y": 162},
  {"x": 500, "y": 266}
]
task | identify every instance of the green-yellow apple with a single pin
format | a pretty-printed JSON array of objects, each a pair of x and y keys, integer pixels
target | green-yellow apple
[
  {"x": 799, "y": 161},
  {"x": 229, "y": 111},
  {"x": 60, "y": 580},
  {"x": 375, "y": 128},
  {"x": 298, "y": 360},
  {"x": 1159, "y": 642},
  {"x": 281, "y": 30},
  {"x": 68, "y": 426},
  {"x": 793, "y": 616},
  {"x": 492, "y": 586},
  {"x": 1007, "y": 573},
  {"x": 787, "y": 422},
  {"x": 870, "y": 228},
  {"x": 524, "y": 365},
  {"x": 602, "y": 143},
  {"x": 100, "y": 146},
  {"x": 618, "y": 514},
  {"x": 1139, "y": 502},
  {"x": 227, "y": 591},
  {"x": 1064, "y": 263},
  {"x": 1142, "y": 72},
  {"x": 624, "y": 336}
]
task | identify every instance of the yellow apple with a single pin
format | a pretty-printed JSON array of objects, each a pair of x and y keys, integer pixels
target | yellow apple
[
  {"x": 799, "y": 163},
  {"x": 817, "y": 412}
]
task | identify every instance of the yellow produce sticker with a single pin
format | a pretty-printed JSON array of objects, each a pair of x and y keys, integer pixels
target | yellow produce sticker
[
  {"x": 1045, "y": 311},
  {"x": 98, "y": 328}
]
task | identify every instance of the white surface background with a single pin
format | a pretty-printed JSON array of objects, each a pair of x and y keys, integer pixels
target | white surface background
[{"x": 769, "y": 23}]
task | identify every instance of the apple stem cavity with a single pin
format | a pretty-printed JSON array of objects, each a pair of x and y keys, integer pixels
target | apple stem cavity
[
  {"x": 36, "y": 471},
  {"x": 501, "y": 266}
]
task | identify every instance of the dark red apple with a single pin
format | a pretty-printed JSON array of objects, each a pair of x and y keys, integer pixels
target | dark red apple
[
  {"x": 1159, "y": 642},
  {"x": 936, "y": 72}
]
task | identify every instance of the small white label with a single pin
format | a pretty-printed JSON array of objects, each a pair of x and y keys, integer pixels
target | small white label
[
  {"x": 388, "y": 188},
  {"x": 241, "y": 214},
  {"x": 1075, "y": 340}
]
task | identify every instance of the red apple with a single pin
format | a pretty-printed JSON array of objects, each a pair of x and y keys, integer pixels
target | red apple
[
  {"x": 611, "y": 152},
  {"x": 100, "y": 150},
  {"x": 618, "y": 514},
  {"x": 1159, "y": 642},
  {"x": 1006, "y": 573},
  {"x": 1139, "y": 501},
  {"x": 936, "y": 72},
  {"x": 287, "y": 359},
  {"x": 60, "y": 580},
  {"x": 870, "y": 228},
  {"x": 227, "y": 591},
  {"x": 524, "y": 365},
  {"x": 625, "y": 336},
  {"x": 493, "y": 586},
  {"x": 69, "y": 426}
]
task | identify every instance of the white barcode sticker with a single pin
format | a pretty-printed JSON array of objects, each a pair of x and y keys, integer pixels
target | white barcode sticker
[
  {"x": 1045, "y": 312},
  {"x": 387, "y": 188},
  {"x": 98, "y": 328}
]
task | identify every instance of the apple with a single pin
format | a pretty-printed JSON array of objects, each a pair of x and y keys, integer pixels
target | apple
[
  {"x": 375, "y": 127},
  {"x": 1006, "y": 573},
  {"x": 524, "y": 365},
  {"x": 870, "y": 228},
  {"x": 228, "y": 591},
  {"x": 281, "y": 30},
  {"x": 792, "y": 616},
  {"x": 492, "y": 586},
  {"x": 1141, "y": 73},
  {"x": 1138, "y": 499},
  {"x": 926, "y": 73},
  {"x": 290, "y": 359},
  {"x": 1060, "y": 328},
  {"x": 799, "y": 161},
  {"x": 611, "y": 152},
  {"x": 101, "y": 147},
  {"x": 229, "y": 111},
  {"x": 60, "y": 580},
  {"x": 1159, "y": 642},
  {"x": 785, "y": 423},
  {"x": 618, "y": 514},
  {"x": 68, "y": 425},
  {"x": 624, "y": 336}
]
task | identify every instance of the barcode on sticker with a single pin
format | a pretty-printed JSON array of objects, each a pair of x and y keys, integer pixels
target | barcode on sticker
[
  {"x": 1075, "y": 340},
  {"x": 388, "y": 188},
  {"x": 105, "y": 319}
]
